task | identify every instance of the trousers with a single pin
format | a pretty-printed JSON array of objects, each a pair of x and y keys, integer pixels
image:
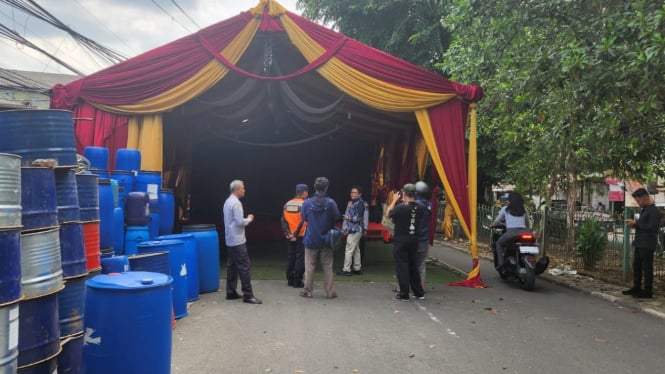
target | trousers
[
  {"x": 406, "y": 266},
  {"x": 295, "y": 263},
  {"x": 238, "y": 267},
  {"x": 643, "y": 266},
  {"x": 311, "y": 257}
]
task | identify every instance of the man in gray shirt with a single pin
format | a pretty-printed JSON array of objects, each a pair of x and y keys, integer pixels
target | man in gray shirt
[{"x": 236, "y": 244}]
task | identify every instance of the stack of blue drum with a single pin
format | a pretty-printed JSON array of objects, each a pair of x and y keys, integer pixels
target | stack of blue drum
[{"x": 41, "y": 291}]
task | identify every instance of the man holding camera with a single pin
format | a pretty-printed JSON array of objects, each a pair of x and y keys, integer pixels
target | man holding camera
[{"x": 406, "y": 215}]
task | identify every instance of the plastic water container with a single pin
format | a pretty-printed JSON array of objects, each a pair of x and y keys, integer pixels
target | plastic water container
[
  {"x": 207, "y": 248},
  {"x": 166, "y": 211},
  {"x": 98, "y": 157},
  {"x": 133, "y": 236},
  {"x": 178, "y": 267},
  {"x": 137, "y": 210},
  {"x": 191, "y": 259},
  {"x": 127, "y": 159}
]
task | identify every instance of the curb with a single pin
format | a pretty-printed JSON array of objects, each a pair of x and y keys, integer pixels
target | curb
[{"x": 562, "y": 282}]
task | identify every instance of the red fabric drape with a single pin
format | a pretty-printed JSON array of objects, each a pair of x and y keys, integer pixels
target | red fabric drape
[
  {"x": 95, "y": 127},
  {"x": 383, "y": 66},
  {"x": 407, "y": 170},
  {"x": 449, "y": 126},
  {"x": 151, "y": 73}
]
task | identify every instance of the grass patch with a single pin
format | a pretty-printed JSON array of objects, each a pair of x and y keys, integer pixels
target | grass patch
[{"x": 268, "y": 259}]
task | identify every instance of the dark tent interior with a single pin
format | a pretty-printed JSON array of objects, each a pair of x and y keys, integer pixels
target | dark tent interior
[{"x": 273, "y": 134}]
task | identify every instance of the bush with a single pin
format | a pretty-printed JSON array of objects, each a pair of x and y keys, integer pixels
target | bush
[{"x": 591, "y": 242}]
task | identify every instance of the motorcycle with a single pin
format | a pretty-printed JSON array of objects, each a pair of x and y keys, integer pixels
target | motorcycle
[{"x": 520, "y": 261}]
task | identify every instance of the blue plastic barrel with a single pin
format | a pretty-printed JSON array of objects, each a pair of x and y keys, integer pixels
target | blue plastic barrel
[
  {"x": 151, "y": 183},
  {"x": 133, "y": 236},
  {"x": 88, "y": 195},
  {"x": 118, "y": 239},
  {"x": 66, "y": 196},
  {"x": 38, "y": 329},
  {"x": 39, "y": 134},
  {"x": 8, "y": 337},
  {"x": 39, "y": 207},
  {"x": 207, "y": 248},
  {"x": 178, "y": 267},
  {"x": 98, "y": 157},
  {"x": 166, "y": 211},
  {"x": 10, "y": 265},
  {"x": 126, "y": 180},
  {"x": 105, "y": 214},
  {"x": 71, "y": 356},
  {"x": 128, "y": 323},
  {"x": 72, "y": 250},
  {"x": 115, "y": 264},
  {"x": 137, "y": 210},
  {"x": 191, "y": 259},
  {"x": 127, "y": 159},
  {"x": 156, "y": 262},
  {"x": 70, "y": 306},
  {"x": 153, "y": 225}
]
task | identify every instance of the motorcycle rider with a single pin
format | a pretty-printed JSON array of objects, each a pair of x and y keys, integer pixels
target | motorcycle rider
[{"x": 516, "y": 221}]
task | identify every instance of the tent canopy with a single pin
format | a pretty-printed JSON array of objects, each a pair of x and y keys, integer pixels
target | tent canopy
[{"x": 268, "y": 65}]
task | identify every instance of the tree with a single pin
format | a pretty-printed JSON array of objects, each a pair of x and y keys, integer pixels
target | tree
[
  {"x": 571, "y": 87},
  {"x": 407, "y": 29}
]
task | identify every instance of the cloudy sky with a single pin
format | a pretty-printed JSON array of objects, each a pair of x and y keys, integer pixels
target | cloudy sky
[{"x": 128, "y": 26}]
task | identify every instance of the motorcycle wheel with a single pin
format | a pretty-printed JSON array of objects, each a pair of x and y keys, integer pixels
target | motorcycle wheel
[{"x": 529, "y": 279}]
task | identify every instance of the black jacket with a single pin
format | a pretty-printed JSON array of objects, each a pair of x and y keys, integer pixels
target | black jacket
[{"x": 646, "y": 228}]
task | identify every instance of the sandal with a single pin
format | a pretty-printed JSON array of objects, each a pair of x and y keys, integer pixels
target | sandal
[
  {"x": 332, "y": 295},
  {"x": 305, "y": 294}
]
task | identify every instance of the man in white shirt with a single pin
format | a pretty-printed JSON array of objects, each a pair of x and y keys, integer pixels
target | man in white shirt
[{"x": 234, "y": 234}]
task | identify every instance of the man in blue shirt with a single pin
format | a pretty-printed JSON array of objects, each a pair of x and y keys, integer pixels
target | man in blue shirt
[
  {"x": 236, "y": 244},
  {"x": 320, "y": 213},
  {"x": 353, "y": 226}
]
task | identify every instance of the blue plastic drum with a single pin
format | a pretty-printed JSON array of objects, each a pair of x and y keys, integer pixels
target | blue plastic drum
[
  {"x": 137, "y": 210},
  {"x": 127, "y": 159},
  {"x": 153, "y": 226},
  {"x": 105, "y": 214},
  {"x": 98, "y": 157},
  {"x": 38, "y": 198},
  {"x": 191, "y": 259},
  {"x": 156, "y": 262},
  {"x": 128, "y": 323},
  {"x": 178, "y": 267},
  {"x": 133, "y": 236},
  {"x": 166, "y": 212},
  {"x": 118, "y": 240},
  {"x": 10, "y": 265},
  {"x": 115, "y": 264},
  {"x": 207, "y": 248},
  {"x": 151, "y": 183},
  {"x": 126, "y": 180}
]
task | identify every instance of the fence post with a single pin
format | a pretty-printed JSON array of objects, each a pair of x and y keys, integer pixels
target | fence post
[
  {"x": 626, "y": 245},
  {"x": 543, "y": 235}
]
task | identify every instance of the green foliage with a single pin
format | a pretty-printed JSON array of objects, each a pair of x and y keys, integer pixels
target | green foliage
[{"x": 591, "y": 242}]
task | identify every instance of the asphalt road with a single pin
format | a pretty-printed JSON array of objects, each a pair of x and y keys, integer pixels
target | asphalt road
[{"x": 499, "y": 329}]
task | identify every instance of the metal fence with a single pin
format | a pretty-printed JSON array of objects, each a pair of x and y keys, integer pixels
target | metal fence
[{"x": 551, "y": 228}]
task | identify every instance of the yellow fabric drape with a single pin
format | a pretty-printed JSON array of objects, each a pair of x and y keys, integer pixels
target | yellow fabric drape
[
  {"x": 421, "y": 156},
  {"x": 275, "y": 8},
  {"x": 145, "y": 134},
  {"x": 207, "y": 77},
  {"x": 426, "y": 128},
  {"x": 447, "y": 224},
  {"x": 366, "y": 89}
]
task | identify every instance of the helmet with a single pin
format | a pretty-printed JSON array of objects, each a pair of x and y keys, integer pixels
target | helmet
[{"x": 422, "y": 189}]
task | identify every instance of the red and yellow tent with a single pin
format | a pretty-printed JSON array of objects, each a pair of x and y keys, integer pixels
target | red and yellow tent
[{"x": 125, "y": 105}]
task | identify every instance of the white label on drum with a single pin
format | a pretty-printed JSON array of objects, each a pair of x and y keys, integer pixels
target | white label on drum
[
  {"x": 152, "y": 191},
  {"x": 183, "y": 270},
  {"x": 13, "y": 328}
]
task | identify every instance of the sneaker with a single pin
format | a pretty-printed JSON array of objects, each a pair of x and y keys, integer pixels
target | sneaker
[
  {"x": 632, "y": 291},
  {"x": 401, "y": 298},
  {"x": 421, "y": 297},
  {"x": 344, "y": 273},
  {"x": 298, "y": 285},
  {"x": 357, "y": 272}
]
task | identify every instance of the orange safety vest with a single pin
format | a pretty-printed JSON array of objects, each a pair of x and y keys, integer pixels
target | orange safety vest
[{"x": 292, "y": 215}]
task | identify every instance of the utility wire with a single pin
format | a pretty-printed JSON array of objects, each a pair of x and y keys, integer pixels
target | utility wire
[
  {"x": 12, "y": 35},
  {"x": 31, "y": 7},
  {"x": 185, "y": 13},
  {"x": 101, "y": 23},
  {"x": 170, "y": 16}
]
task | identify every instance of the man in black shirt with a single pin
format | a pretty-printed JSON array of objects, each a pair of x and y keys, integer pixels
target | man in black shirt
[
  {"x": 646, "y": 239},
  {"x": 406, "y": 215}
]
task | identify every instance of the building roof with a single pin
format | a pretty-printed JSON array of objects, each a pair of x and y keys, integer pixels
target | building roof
[{"x": 33, "y": 80}]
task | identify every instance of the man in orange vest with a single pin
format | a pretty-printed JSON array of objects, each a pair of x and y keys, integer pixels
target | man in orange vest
[{"x": 293, "y": 228}]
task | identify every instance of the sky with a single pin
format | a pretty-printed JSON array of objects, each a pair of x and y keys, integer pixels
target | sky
[{"x": 128, "y": 26}]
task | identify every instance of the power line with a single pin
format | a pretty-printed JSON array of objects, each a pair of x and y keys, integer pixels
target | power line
[
  {"x": 170, "y": 16},
  {"x": 185, "y": 13},
  {"x": 100, "y": 22}
]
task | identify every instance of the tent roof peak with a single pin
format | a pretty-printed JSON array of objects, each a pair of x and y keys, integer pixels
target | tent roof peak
[{"x": 271, "y": 7}]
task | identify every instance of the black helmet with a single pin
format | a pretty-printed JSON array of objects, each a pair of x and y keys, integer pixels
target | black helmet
[{"x": 422, "y": 189}]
